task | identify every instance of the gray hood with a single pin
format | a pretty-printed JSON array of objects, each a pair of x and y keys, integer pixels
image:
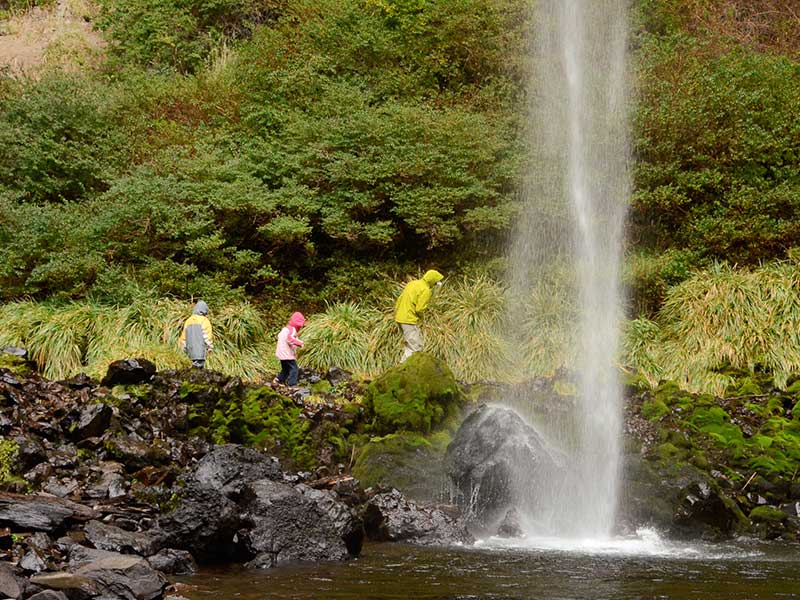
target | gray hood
[{"x": 201, "y": 308}]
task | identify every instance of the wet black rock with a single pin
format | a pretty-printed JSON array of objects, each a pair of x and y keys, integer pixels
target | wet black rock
[
  {"x": 679, "y": 500},
  {"x": 510, "y": 525},
  {"x": 173, "y": 562},
  {"x": 130, "y": 371},
  {"x": 298, "y": 524},
  {"x": 92, "y": 422},
  {"x": 40, "y": 513},
  {"x": 494, "y": 461},
  {"x": 228, "y": 468},
  {"x": 390, "y": 517},
  {"x": 204, "y": 523}
]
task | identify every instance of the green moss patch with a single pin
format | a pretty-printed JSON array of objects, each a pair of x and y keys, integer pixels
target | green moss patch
[
  {"x": 417, "y": 396},
  {"x": 408, "y": 461},
  {"x": 767, "y": 514}
]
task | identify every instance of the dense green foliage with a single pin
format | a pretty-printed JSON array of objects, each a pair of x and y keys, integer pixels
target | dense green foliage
[
  {"x": 739, "y": 433},
  {"x": 178, "y": 34},
  {"x": 291, "y": 156},
  {"x": 718, "y": 151}
]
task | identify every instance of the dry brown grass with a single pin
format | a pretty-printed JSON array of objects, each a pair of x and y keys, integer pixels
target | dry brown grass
[{"x": 60, "y": 37}]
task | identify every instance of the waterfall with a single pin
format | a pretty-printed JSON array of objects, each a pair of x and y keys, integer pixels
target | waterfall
[{"x": 569, "y": 236}]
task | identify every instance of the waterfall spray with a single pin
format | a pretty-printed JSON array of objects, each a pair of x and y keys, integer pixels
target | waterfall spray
[{"x": 572, "y": 228}]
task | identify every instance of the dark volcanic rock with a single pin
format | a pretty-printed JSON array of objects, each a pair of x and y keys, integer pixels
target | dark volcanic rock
[
  {"x": 510, "y": 526},
  {"x": 40, "y": 513},
  {"x": 93, "y": 421},
  {"x": 230, "y": 467},
  {"x": 494, "y": 461},
  {"x": 10, "y": 584},
  {"x": 130, "y": 371},
  {"x": 298, "y": 523},
  {"x": 701, "y": 507},
  {"x": 681, "y": 501},
  {"x": 117, "y": 575},
  {"x": 32, "y": 561},
  {"x": 205, "y": 523},
  {"x": 108, "y": 537},
  {"x": 48, "y": 595},
  {"x": 31, "y": 451},
  {"x": 390, "y": 517},
  {"x": 74, "y": 586},
  {"x": 173, "y": 562}
]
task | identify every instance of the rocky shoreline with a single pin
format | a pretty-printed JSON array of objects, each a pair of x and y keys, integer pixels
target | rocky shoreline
[
  {"x": 117, "y": 492},
  {"x": 110, "y": 488}
]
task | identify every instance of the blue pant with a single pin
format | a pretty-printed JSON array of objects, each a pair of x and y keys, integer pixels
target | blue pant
[{"x": 289, "y": 372}]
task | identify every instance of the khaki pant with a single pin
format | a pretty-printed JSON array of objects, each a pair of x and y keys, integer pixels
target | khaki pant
[{"x": 412, "y": 338}]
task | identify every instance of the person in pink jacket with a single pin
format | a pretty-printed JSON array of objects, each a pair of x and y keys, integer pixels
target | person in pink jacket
[{"x": 286, "y": 352}]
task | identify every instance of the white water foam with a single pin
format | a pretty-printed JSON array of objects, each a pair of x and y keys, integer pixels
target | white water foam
[{"x": 646, "y": 543}]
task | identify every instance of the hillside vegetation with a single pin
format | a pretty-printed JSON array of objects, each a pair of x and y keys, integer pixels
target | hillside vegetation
[{"x": 299, "y": 153}]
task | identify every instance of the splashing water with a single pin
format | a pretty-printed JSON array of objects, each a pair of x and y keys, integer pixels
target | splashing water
[{"x": 571, "y": 230}]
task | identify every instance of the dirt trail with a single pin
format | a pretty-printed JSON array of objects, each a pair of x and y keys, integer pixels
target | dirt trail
[{"x": 61, "y": 36}]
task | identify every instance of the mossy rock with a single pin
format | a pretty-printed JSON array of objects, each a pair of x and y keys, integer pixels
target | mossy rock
[
  {"x": 747, "y": 386},
  {"x": 9, "y": 463},
  {"x": 16, "y": 364},
  {"x": 653, "y": 410},
  {"x": 411, "y": 462},
  {"x": 767, "y": 514},
  {"x": 668, "y": 451},
  {"x": 699, "y": 460},
  {"x": 416, "y": 395},
  {"x": 669, "y": 393}
]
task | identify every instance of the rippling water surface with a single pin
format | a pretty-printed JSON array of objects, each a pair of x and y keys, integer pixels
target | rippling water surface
[{"x": 640, "y": 568}]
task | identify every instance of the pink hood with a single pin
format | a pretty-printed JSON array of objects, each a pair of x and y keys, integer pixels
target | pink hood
[{"x": 297, "y": 320}]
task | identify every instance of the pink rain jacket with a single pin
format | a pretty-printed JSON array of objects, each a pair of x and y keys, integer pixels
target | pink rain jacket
[{"x": 288, "y": 340}]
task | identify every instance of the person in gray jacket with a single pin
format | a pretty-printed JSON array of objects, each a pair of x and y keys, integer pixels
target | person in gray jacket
[{"x": 197, "y": 338}]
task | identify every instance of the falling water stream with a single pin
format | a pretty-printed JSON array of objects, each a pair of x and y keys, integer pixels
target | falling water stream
[{"x": 570, "y": 236}]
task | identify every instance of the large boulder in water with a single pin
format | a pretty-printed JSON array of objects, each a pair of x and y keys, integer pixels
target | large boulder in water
[
  {"x": 390, "y": 517},
  {"x": 416, "y": 395},
  {"x": 204, "y": 523},
  {"x": 494, "y": 462},
  {"x": 298, "y": 524}
]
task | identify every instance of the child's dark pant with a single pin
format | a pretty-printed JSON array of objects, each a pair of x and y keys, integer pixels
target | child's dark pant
[{"x": 289, "y": 372}]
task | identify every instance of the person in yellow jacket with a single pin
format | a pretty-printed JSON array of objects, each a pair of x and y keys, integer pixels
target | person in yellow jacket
[
  {"x": 409, "y": 308},
  {"x": 197, "y": 337}
]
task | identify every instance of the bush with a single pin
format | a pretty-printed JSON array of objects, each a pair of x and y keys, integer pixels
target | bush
[
  {"x": 178, "y": 34},
  {"x": 60, "y": 140},
  {"x": 718, "y": 151},
  {"x": 67, "y": 339}
]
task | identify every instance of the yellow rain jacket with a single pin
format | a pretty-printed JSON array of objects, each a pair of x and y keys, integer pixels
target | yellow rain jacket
[{"x": 415, "y": 297}]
